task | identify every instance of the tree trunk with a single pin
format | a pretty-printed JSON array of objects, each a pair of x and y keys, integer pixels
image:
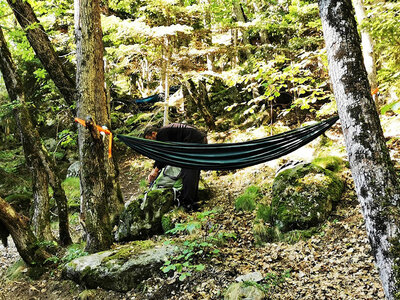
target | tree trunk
[
  {"x": 25, "y": 241},
  {"x": 208, "y": 35},
  {"x": 240, "y": 17},
  {"x": 367, "y": 48},
  {"x": 375, "y": 179},
  {"x": 199, "y": 99},
  {"x": 43, "y": 48},
  {"x": 41, "y": 211},
  {"x": 165, "y": 76},
  {"x": 41, "y": 214},
  {"x": 37, "y": 158},
  {"x": 100, "y": 192}
]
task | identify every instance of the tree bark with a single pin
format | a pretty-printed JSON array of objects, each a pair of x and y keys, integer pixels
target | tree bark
[
  {"x": 377, "y": 186},
  {"x": 36, "y": 155},
  {"x": 208, "y": 35},
  {"x": 43, "y": 48},
  {"x": 25, "y": 241},
  {"x": 165, "y": 77},
  {"x": 101, "y": 199},
  {"x": 367, "y": 48},
  {"x": 199, "y": 99}
]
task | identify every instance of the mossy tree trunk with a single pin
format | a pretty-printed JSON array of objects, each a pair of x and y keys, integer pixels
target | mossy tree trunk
[
  {"x": 43, "y": 48},
  {"x": 199, "y": 99},
  {"x": 100, "y": 192},
  {"x": 374, "y": 175},
  {"x": 24, "y": 239},
  {"x": 37, "y": 158}
]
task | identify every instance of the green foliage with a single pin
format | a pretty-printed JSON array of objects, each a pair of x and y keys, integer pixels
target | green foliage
[
  {"x": 382, "y": 23},
  {"x": 184, "y": 263},
  {"x": 270, "y": 281},
  {"x": 71, "y": 187},
  {"x": 72, "y": 252},
  {"x": 193, "y": 251},
  {"x": 247, "y": 201},
  {"x": 68, "y": 139},
  {"x": 11, "y": 160},
  {"x": 193, "y": 224}
]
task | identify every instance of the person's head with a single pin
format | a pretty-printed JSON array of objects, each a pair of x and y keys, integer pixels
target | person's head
[{"x": 150, "y": 132}]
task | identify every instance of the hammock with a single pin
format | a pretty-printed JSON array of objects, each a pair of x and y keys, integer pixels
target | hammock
[
  {"x": 157, "y": 97},
  {"x": 228, "y": 156}
]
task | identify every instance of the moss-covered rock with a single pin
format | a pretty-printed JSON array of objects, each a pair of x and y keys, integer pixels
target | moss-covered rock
[
  {"x": 242, "y": 290},
  {"x": 121, "y": 269},
  {"x": 303, "y": 197},
  {"x": 142, "y": 217}
]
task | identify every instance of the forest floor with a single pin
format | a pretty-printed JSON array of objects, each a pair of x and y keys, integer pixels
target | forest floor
[{"x": 335, "y": 263}]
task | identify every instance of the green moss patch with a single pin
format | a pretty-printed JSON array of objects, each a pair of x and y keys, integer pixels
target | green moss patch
[
  {"x": 332, "y": 163},
  {"x": 72, "y": 190},
  {"x": 247, "y": 201},
  {"x": 127, "y": 251}
]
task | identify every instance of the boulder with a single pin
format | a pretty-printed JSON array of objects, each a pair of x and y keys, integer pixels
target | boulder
[
  {"x": 244, "y": 290},
  {"x": 141, "y": 217},
  {"x": 73, "y": 169},
  {"x": 303, "y": 197},
  {"x": 119, "y": 270}
]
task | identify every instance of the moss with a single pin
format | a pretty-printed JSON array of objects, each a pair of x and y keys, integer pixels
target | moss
[
  {"x": 127, "y": 251},
  {"x": 71, "y": 186},
  {"x": 21, "y": 202},
  {"x": 17, "y": 270},
  {"x": 332, "y": 163},
  {"x": 303, "y": 197},
  {"x": 247, "y": 200},
  {"x": 264, "y": 212},
  {"x": 262, "y": 233},
  {"x": 87, "y": 295}
]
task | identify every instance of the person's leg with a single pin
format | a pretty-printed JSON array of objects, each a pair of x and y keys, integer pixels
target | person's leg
[{"x": 190, "y": 186}]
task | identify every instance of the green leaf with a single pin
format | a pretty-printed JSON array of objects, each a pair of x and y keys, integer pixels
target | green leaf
[
  {"x": 184, "y": 275},
  {"x": 200, "y": 267}
]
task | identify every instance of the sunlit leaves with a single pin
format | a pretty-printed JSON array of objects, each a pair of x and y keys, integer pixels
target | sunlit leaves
[{"x": 382, "y": 23}]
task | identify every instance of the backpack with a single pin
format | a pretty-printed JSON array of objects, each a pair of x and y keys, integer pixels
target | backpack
[{"x": 169, "y": 177}]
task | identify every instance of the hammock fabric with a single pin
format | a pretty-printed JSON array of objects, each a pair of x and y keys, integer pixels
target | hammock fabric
[
  {"x": 228, "y": 156},
  {"x": 157, "y": 97}
]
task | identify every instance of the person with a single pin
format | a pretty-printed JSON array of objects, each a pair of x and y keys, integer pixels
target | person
[{"x": 177, "y": 132}]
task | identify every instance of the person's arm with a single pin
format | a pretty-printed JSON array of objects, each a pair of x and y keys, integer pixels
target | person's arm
[{"x": 153, "y": 175}]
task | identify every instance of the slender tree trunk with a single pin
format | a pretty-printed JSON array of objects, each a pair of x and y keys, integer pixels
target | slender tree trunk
[
  {"x": 208, "y": 38},
  {"x": 41, "y": 214},
  {"x": 240, "y": 17},
  {"x": 37, "y": 158},
  {"x": 367, "y": 48},
  {"x": 43, "y": 48},
  {"x": 166, "y": 59},
  {"x": 25, "y": 241},
  {"x": 100, "y": 192},
  {"x": 375, "y": 179}
]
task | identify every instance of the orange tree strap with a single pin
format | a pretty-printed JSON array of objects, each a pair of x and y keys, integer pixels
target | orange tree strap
[
  {"x": 374, "y": 91},
  {"x": 100, "y": 129}
]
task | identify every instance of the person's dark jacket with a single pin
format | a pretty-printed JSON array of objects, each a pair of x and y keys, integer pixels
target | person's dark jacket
[{"x": 177, "y": 132}]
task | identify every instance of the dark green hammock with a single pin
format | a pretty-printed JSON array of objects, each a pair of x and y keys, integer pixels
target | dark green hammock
[{"x": 227, "y": 156}]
